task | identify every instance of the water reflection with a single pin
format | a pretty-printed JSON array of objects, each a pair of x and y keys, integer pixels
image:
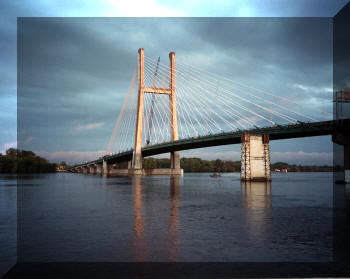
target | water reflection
[
  {"x": 256, "y": 194},
  {"x": 256, "y": 198},
  {"x": 168, "y": 229},
  {"x": 139, "y": 224},
  {"x": 174, "y": 222}
]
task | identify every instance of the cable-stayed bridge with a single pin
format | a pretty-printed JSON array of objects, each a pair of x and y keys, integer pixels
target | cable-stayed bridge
[{"x": 168, "y": 109}]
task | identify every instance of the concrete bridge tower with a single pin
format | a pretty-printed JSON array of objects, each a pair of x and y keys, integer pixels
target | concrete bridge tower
[{"x": 136, "y": 167}]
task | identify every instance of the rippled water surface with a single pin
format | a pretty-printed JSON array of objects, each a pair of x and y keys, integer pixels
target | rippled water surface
[{"x": 77, "y": 217}]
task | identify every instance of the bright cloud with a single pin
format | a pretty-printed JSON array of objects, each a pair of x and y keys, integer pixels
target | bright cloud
[
  {"x": 312, "y": 89},
  {"x": 90, "y": 126},
  {"x": 8, "y": 145}
]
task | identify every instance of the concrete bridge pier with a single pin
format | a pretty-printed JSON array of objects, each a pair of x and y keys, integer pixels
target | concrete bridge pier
[
  {"x": 92, "y": 169},
  {"x": 175, "y": 160},
  {"x": 98, "y": 168},
  {"x": 255, "y": 158},
  {"x": 86, "y": 169},
  {"x": 344, "y": 140},
  {"x": 106, "y": 168},
  {"x": 347, "y": 163}
]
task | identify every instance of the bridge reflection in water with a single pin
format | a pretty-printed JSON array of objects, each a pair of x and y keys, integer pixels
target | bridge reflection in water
[
  {"x": 140, "y": 241},
  {"x": 168, "y": 229},
  {"x": 256, "y": 198},
  {"x": 256, "y": 194}
]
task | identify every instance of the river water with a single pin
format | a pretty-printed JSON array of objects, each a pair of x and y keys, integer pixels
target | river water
[{"x": 77, "y": 217}]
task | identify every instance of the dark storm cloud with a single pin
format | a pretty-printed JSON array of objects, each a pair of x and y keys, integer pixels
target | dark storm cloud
[
  {"x": 341, "y": 50},
  {"x": 294, "y": 46}
]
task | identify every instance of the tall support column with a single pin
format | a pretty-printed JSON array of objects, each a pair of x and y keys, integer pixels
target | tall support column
[
  {"x": 91, "y": 169},
  {"x": 341, "y": 137},
  {"x": 255, "y": 157},
  {"x": 174, "y": 155},
  {"x": 245, "y": 157},
  {"x": 266, "y": 143},
  {"x": 105, "y": 167},
  {"x": 347, "y": 163},
  {"x": 137, "y": 155},
  {"x": 99, "y": 168},
  {"x": 136, "y": 167}
]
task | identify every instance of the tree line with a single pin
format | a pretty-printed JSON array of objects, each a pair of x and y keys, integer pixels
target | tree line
[
  {"x": 200, "y": 165},
  {"x": 22, "y": 161}
]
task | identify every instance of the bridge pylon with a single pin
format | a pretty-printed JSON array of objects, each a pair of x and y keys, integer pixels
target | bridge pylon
[{"x": 136, "y": 164}]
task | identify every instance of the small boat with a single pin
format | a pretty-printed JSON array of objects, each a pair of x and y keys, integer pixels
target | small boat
[{"x": 216, "y": 174}]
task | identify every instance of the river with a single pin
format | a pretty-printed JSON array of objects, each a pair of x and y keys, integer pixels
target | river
[{"x": 75, "y": 217}]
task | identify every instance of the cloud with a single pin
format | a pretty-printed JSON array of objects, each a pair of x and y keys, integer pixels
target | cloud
[
  {"x": 90, "y": 126},
  {"x": 312, "y": 89},
  {"x": 30, "y": 139},
  {"x": 140, "y": 8},
  {"x": 8, "y": 145}
]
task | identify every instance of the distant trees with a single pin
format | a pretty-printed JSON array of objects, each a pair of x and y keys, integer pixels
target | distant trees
[
  {"x": 300, "y": 168},
  {"x": 199, "y": 165},
  {"x": 22, "y": 161},
  {"x": 194, "y": 165},
  {"x": 62, "y": 166}
]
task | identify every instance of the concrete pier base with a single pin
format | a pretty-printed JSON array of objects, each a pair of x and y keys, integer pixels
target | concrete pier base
[
  {"x": 341, "y": 140},
  {"x": 92, "y": 169},
  {"x": 347, "y": 160},
  {"x": 347, "y": 176},
  {"x": 175, "y": 160},
  {"x": 119, "y": 171},
  {"x": 146, "y": 172},
  {"x": 255, "y": 158},
  {"x": 106, "y": 168},
  {"x": 98, "y": 168}
]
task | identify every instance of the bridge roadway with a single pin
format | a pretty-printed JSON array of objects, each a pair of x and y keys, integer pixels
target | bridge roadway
[{"x": 277, "y": 132}]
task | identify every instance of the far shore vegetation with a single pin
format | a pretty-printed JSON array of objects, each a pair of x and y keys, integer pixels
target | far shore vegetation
[{"x": 21, "y": 161}]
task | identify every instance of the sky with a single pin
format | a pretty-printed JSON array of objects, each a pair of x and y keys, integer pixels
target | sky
[{"x": 75, "y": 72}]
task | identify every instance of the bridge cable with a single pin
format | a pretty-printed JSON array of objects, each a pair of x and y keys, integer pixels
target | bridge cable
[{"x": 121, "y": 113}]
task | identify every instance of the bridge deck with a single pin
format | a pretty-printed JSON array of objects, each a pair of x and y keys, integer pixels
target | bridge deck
[{"x": 277, "y": 132}]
